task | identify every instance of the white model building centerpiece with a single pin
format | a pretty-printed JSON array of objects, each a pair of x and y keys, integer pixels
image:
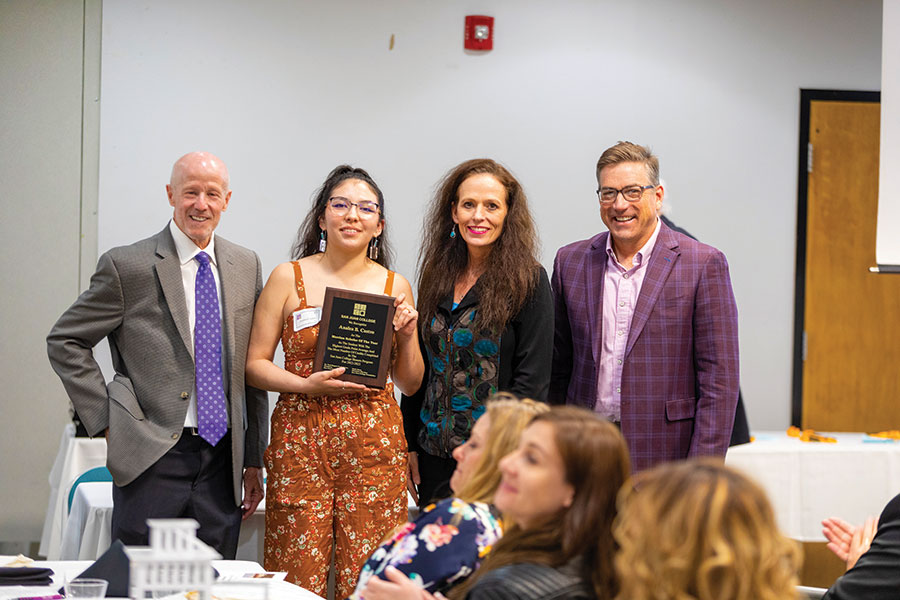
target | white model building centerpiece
[{"x": 176, "y": 561}]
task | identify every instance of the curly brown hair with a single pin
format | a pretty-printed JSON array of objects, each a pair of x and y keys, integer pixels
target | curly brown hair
[
  {"x": 597, "y": 465},
  {"x": 511, "y": 274},
  {"x": 698, "y": 530}
]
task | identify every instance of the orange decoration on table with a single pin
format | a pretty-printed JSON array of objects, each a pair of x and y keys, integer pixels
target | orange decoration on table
[
  {"x": 892, "y": 434},
  {"x": 808, "y": 435}
]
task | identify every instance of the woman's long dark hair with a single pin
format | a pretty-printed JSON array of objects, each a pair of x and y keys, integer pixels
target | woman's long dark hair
[
  {"x": 511, "y": 274},
  {"x": 307, "y": 242},
  {"x": 597, "y": 464}
]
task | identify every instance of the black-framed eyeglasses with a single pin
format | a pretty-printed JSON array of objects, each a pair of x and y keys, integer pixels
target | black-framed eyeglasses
[
  {"x": 632, "y": 193},
  {"x": 341, "y": 206}
]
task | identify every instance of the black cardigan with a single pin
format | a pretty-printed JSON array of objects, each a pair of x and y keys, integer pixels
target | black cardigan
[{"x": 526, "y": 351}]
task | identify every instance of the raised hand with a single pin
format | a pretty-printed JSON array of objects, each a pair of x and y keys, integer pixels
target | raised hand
[
  {"x": 406, "y": 317},
  {"x": 838, "y": 533},
  {"x": 847, "y": 541},
  {"x": 861, "y": 541}
]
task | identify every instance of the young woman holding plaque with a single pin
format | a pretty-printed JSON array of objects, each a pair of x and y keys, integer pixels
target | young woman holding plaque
[
  {"x": 337, "y": 459},
  {"x": 487, "y": 315}
]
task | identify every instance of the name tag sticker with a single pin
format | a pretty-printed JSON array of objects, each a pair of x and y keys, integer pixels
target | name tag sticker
[{"x": 307, "y": 317}]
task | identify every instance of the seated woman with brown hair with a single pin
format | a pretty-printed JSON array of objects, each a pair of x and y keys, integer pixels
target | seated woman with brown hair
[
  {"x": 558, "y": 493},
  {"x": 698, "y": 530},
  {"x": 450, "y": 538}
]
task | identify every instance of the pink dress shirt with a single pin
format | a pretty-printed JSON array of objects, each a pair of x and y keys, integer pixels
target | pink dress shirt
[{"x": 621, "y": 289}]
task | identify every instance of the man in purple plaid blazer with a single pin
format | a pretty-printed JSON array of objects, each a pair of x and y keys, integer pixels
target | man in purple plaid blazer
[{"x": 646, "y": 323}]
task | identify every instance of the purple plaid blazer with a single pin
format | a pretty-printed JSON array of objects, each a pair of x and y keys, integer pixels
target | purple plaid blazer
[{"x": 680, "y": 377}]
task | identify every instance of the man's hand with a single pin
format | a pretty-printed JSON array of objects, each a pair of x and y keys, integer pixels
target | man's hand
[
  {"x": 253, "y": 491},
  {"x": 847, "y": 541},
  {"x": 838, "y": 533},
  {"x": 862, "y": 539}
]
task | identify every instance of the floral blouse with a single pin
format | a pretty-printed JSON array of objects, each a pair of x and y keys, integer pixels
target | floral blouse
[{"x": 443, "y": 546}]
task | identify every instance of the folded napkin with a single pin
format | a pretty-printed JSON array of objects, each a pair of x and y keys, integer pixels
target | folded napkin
[
  {"x": 113, "y": 566},
  {"x": 25, "y": 576},
  {"x": 15, "y": 561}
]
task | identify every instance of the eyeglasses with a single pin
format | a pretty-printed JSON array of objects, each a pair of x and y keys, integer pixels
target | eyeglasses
[
  {"x": 632, "y": 193},
  {"x": 341, "y": 206}
]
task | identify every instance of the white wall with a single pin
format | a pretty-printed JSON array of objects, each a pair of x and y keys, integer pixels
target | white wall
[
  {"x": 286, "y": 90},
  {"x": 40, "y": 171}
]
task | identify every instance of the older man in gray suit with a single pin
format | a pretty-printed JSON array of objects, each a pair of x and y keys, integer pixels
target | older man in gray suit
[{"x": 184, "y": 430}]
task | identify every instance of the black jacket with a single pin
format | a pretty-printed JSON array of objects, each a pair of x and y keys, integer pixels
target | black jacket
[{"x": 876, "y": 575}]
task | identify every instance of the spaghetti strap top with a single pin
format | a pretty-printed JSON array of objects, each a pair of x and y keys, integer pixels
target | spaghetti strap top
[{"x": 300, "y": 346}]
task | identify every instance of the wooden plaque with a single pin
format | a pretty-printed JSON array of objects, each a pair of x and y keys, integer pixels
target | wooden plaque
[{"x": 355, "y": 333}]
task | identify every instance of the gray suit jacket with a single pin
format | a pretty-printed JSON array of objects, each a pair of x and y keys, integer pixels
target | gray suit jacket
[{"x": 136, "y": 299}]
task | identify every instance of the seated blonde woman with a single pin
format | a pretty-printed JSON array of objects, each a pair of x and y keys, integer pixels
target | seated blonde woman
[
  {"x": 698, "y": 530},
  {"x": 557, "y": 493},
  {"x": 450, "y": 538}
]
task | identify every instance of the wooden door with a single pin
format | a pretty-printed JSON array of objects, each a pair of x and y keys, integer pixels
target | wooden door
[{"x": 851, "y": 317}]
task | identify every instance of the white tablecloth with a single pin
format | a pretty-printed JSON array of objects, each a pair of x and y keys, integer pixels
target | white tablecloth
[
  {"x": 75, "y": 456},
  {"x": 809, "y": 481},
  {"x": 87, "y": 531}
]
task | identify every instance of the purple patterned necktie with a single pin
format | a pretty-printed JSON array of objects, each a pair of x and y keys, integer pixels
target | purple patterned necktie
[{"x": 212, "y": 420}]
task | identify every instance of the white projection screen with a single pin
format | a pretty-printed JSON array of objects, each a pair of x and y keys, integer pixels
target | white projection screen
[{"x": 887, "y": 248}]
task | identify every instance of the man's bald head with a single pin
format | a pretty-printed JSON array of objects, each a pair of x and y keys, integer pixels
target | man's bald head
[
  {"x": 203, "y": 160},
  {"x": 198, "y": 190}
]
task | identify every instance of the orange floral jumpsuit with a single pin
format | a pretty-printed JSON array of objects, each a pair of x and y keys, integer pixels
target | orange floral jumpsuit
[{"x": 336, "y": 470}]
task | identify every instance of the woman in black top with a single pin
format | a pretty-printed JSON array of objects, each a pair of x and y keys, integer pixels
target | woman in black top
[{"x": 485, "y": 315}]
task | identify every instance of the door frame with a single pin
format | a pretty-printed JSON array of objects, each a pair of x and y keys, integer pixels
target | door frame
[{"x": 807, "y": 96}]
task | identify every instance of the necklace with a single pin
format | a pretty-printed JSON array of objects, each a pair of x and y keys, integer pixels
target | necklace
[{"x": 463, "y": 285}]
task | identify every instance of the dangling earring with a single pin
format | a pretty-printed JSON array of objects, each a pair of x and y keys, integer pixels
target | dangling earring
[
  {"x": 322, "y": 241},
  {"x": 373, "y": 248},
  {"x": 453, "y": 231}
]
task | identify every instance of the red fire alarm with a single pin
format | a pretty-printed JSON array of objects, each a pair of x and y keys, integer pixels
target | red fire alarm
[{"x": 479, "y": 32}]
